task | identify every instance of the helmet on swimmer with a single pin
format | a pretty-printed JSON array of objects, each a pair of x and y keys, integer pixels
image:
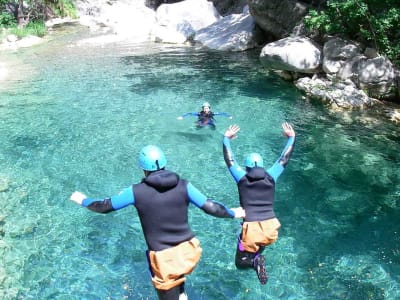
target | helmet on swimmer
[
  {"x": 206, "y": 104},
  {"x": 254, "y": 160},
  {"x": 152, "y": 158}
]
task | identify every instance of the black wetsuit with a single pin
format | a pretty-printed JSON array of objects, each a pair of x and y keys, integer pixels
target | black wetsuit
[{"x": 162, "y": 201}]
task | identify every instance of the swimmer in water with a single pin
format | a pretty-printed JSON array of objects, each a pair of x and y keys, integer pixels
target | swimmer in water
[{"x": 205, "y": 117}]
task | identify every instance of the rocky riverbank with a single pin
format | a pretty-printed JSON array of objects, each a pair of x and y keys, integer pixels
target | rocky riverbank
[{"x": 340, "y": 73}]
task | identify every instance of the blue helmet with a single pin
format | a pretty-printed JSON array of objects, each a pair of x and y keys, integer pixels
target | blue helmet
[
  {"x": 152, "y": 158},
  {"x": 254, "y": 160}
]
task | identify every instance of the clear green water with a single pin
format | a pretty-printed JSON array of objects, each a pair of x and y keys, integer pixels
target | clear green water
[{"x": 76, "y": 120}]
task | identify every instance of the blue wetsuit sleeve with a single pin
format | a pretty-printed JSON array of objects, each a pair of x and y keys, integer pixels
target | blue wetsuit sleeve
[
  {"x": 236, "y": 171},
  {"x": 195, "y": 196},
  {"x": 209, "y": 206},
  {"x": 224, "y": 114},
  {"x": 123, "y": 199},
  {"x": 193, "y": 114},
  {"x": 277, "y": 168}
]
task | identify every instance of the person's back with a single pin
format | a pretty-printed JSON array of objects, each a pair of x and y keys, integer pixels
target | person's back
[
  {"x": 256, "y": 187},
  {"x": 256, "y": 194},
  {"x": 162, "y": 200},
  {"x": 162, "y": 203}
]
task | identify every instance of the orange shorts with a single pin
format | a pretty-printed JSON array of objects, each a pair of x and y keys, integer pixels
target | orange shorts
[
  {"x": 259, "y": 234},
  {"x": 170, "y": 266}
]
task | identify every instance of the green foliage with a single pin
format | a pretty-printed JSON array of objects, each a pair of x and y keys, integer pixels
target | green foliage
[
  {"x": 32, "y": 28},
  {"x": 376, "y": 23},
  {"x": 7, "y": 20},
  {"x": 62, "y": 8}
]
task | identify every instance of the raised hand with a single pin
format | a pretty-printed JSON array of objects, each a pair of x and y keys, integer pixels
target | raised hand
[
  {"x": 231, "y": 132},
  {"x": 288, "y": 130}
]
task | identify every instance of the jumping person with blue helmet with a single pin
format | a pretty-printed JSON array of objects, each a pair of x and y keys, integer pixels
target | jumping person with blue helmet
[
  {"x": 205, "y": 117},
  {"x": 162, "y": 199},
  {"x": 256, "y": 188}
]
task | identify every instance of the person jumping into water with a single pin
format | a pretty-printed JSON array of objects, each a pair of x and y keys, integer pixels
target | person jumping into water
[
  {"x": 161, "y": 200},
  {"x": 205, "y": 117},
  {"x": 256, "y": 193}
]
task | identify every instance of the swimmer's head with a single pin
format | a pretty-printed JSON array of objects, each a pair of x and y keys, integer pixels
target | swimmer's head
[
  {"x": 206, "y": 107},
  {"x": 152, "y": 158},
  {"x": 206, "y": 104},
  {"x": 254, "y": 160}
]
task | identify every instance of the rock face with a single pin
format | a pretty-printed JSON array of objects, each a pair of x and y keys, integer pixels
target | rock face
[
  {"x": 235, "y": 32},
  {"x": 224, "y": 7},
  {"x": 377, "y": 76},
  {"x": 337, "y": 94},
  {"x": 336, "y": 53},
  {"x": 296, "y": 54},
  {"x": 177, "y": 23},
  {"x": 277, "y": 17}
]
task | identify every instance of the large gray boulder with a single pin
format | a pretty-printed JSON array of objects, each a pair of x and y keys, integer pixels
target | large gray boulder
[
  {"x": 336, "y": 52},
  {"x": 277, "y": 17},
  {"x": 177, "y": 22},
  {"x": 235, "y": 32},
  {"x": 295, "y": 54},
  {"x": 368, "y": 70},
  {"x": 377, "y": 76},
  {"x": 123, "y": 19},
  {"x": 336, "y": 94}
]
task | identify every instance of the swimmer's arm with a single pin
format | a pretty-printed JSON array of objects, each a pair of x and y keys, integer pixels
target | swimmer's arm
[
  {"x": 277, "y": 168},
  {"x": 224, "y": 114},
  {"x": 193, "y": 114},
  {"x": 211, "y": 207},
  {"x": 236, "y": 171},
  {"x": 106, "y": 205}
]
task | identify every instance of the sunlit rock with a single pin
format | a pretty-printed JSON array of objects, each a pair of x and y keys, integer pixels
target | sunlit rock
[
  {"x": 338, "y": 94},
  {"x": 232, "y": 33},
  {"x": 377, "y": 76},
  {"x": 336, "y": 52},
  {"x": 296, "y": 54},
  {"x": 173, "y": 33},
  {"x": 177, "y": 22},
  {"x": 126, "y": 19}
]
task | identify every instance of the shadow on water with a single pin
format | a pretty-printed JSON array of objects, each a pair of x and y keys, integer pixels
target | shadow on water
[{"x": 222, "y": 73}]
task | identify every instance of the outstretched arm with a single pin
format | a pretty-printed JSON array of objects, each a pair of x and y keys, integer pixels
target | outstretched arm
[
  {"x": 276, "y": 170},
  {"x": 211, "y": 207},
  {"x": 236, "y": 171},
  {"x": 106, "y": 205},
  {"x": 193, "y": 114},
  {"x": 224, "y": 114}
]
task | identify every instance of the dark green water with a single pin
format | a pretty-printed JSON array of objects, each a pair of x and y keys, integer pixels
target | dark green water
[{"x": 74, "y": 116}]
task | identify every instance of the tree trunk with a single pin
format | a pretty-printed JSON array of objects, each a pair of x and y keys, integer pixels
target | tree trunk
[{"x": 20, "y": 14}]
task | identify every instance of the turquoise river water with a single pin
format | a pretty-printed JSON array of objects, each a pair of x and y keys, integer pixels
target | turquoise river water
[{"x": 74, "y": 115}]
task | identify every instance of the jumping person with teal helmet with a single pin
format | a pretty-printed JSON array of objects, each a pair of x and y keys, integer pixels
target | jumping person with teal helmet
[
  {"x": 205, "y": 117},
  {"x": 161, "y": 200},
  {"x": 256, "y": 188}
]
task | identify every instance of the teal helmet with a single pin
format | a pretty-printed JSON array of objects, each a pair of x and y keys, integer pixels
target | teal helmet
[
  {"x": 152, "y": 158},
  {"x": 206, "y": 104},
  {"x": 254, "y": 160}
]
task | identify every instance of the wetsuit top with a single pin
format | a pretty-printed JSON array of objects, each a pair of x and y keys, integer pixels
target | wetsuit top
[
  {"x": 162, "y": 201},
  {"x": 206, "y": 118},
  {"x": 257, "y": 186}
]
